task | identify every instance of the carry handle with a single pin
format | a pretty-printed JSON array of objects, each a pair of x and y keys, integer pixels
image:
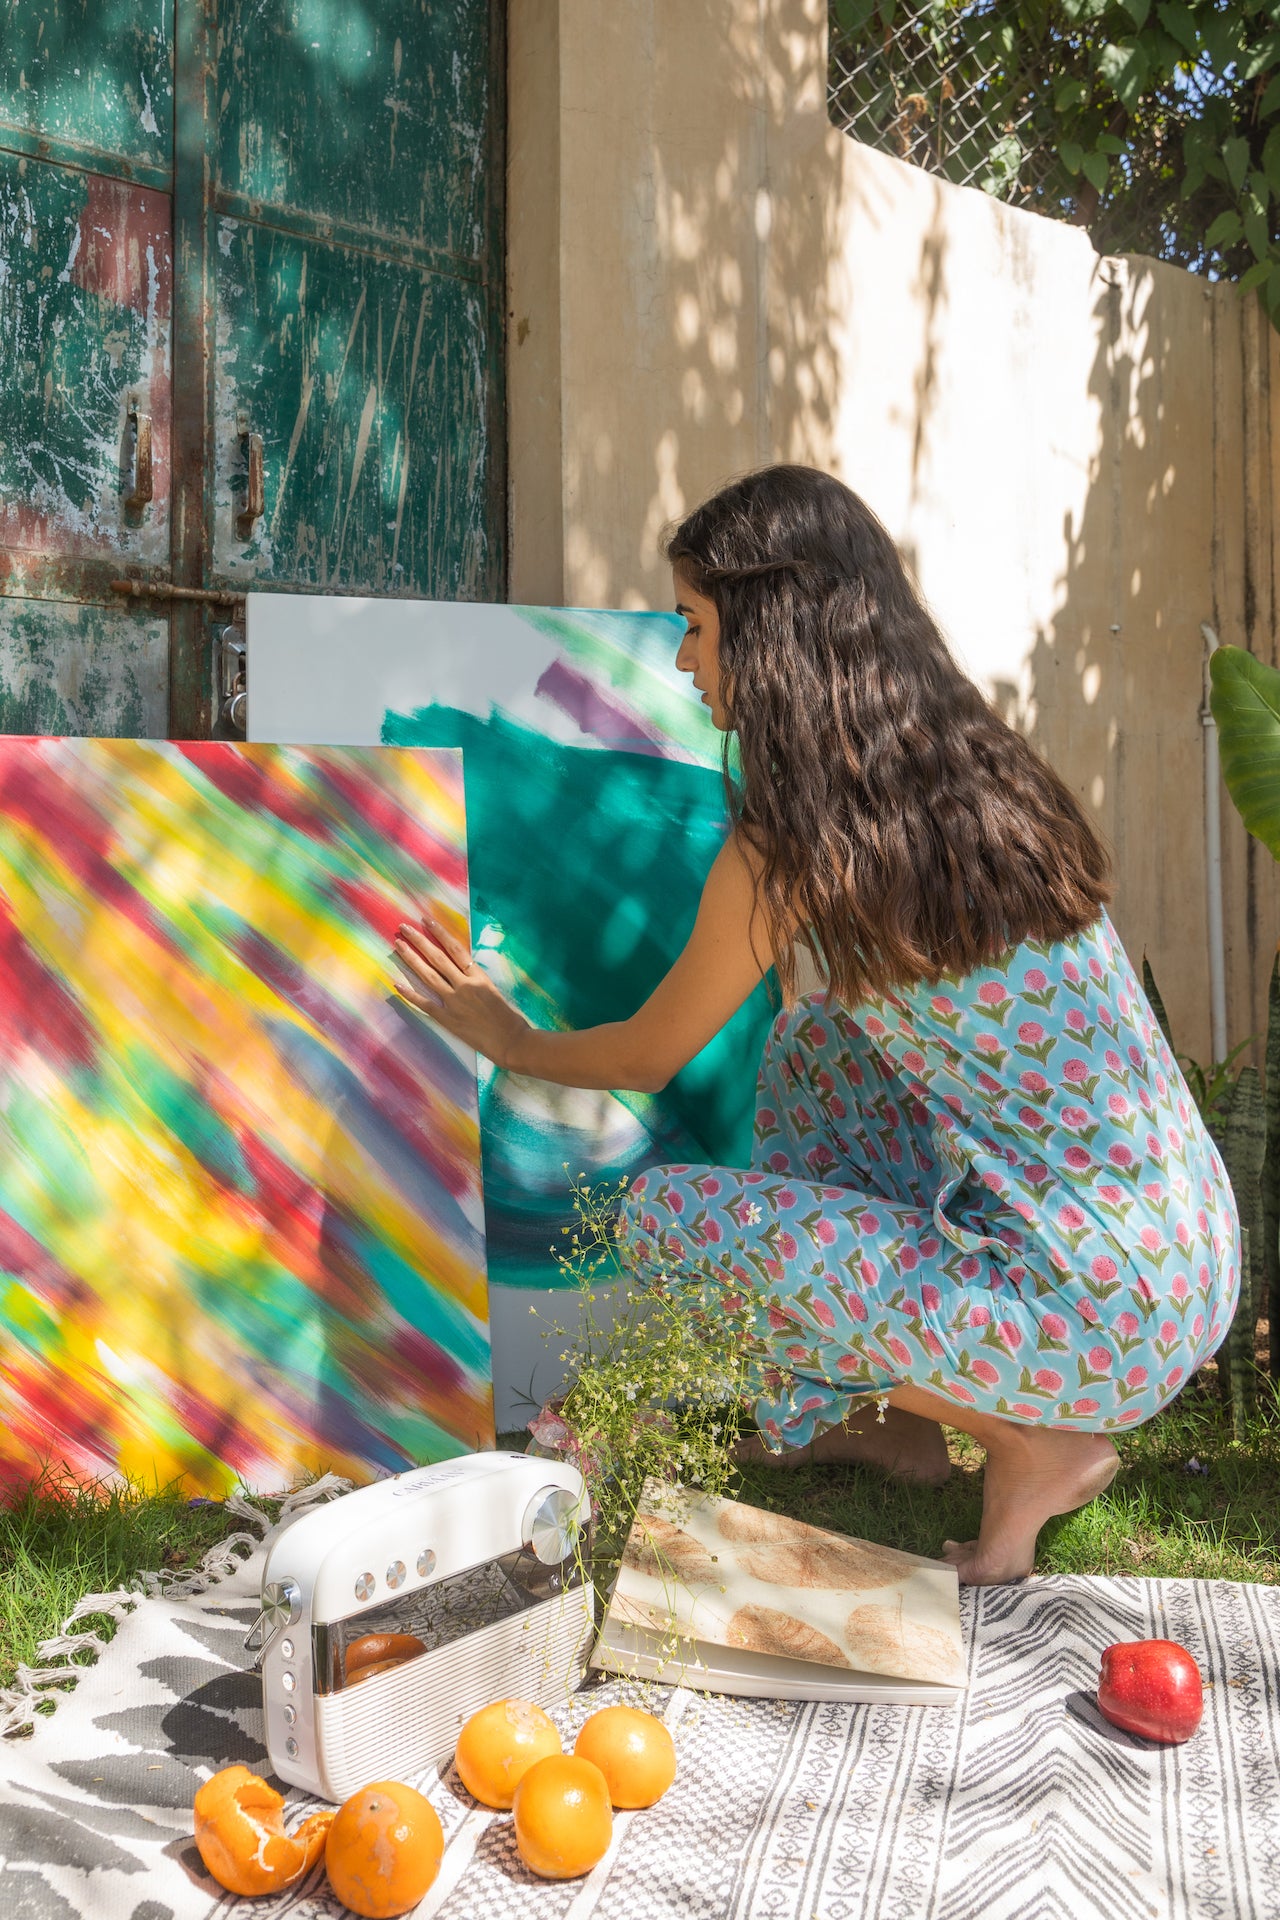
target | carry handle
[
  {"x": 140, "y": 493},
  {"x": 255, "y": 486}
]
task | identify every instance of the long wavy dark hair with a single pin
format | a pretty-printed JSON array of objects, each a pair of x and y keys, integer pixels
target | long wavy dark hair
[{"x": 905, "y": 832}]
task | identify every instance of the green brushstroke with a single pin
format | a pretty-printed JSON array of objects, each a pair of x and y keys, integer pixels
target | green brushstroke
[{"x": 593, "y": 863}]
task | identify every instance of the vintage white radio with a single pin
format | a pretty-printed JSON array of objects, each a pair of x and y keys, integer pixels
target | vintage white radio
[{"x": 392, "y": 1614}]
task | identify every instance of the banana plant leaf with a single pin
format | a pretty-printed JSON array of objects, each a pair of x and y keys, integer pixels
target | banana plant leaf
[{"x": 1245, "y": 701}]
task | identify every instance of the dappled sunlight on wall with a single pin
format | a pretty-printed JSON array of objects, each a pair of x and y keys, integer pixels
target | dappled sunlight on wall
[{"x": 1073, "y": 452}]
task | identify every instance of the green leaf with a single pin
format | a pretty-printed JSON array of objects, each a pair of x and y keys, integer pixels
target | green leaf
[
  {"x": 1225, "y": 231},
  {"x": 1245, "y": 701},
  {"x": 1068, "y": 94},
  {"x": 1109, "y": 143},
  {"x": 1272, "y": 294},
  {"x": 851, "y": 17},
  {"x": 1255, "y": 232},
  {"x": 1125, "y": 69},
  {"x": 1271, "y": 157},
  {"x": 1270, "y": 99},
  {"x": 1152, "y": 992},
  {"x": 1071, "y": 155},
  {"x": 1138, "y": 10},
  {"x": 1235, "y": 154},
  {"x": 1254, "y": 276},
  {"x": 1095, "y": 169},
  {"x": 1180, "y": 22}
]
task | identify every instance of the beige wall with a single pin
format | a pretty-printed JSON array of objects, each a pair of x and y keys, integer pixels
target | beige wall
[{"x": 1076, "y": 453}]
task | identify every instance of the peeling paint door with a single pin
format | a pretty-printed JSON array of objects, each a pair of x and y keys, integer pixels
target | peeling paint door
[
  {"x": 313, "y": 400},
  {"x": 354, "y": 297},
  {"x": 86, "y": 282}
]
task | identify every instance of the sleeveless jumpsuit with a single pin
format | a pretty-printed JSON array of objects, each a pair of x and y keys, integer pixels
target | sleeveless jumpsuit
[{"x": 998, "y": 1189}]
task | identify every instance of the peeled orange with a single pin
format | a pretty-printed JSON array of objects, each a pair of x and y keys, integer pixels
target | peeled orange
[
  {"x": 385, "y": 1848},
  {"x": 499, "y": 1744},
  {"x": 563, "y": 1819},
  {"x": 241, "y": 1836},
  {"x": 634, "y": 1752}
]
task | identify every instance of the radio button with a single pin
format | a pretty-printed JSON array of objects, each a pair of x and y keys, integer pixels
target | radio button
[
  {"x": 365, "y": 1586},
  {"x": 426, "y": 1562},
  {"x": 291, "y": 1748},
  {"x": 395, "y": 1574},
  {"x": 286, "y": 1649},
  {"x": 290, "y": 1715},
  {"x": 287, "y": 1681}
]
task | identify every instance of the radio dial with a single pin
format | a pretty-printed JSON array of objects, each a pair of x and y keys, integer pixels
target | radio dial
[{"x": 552, "y": 1525}]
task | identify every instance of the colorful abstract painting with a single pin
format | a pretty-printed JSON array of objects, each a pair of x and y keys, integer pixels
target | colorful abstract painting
[
  {"x": 595, "y": 806},
  {"x": 241, "y": 1226}
]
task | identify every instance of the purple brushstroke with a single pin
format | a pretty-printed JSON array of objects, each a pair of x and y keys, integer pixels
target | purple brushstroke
[{"x": 608, "y": 721}]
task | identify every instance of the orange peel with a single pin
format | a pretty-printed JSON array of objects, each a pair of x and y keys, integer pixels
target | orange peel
[{"x": 241, "y": 1837}]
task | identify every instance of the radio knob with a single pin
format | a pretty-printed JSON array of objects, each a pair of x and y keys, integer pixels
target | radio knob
[
  {"x": 426, "y": 1562},
  {"x": 395, "y": 1574},
  {"x": 365, "y": 1586}
]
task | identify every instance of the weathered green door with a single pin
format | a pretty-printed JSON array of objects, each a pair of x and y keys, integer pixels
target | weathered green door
[
  {"x": 317, "y": 385},
  {"x": 86, "y": 282}
]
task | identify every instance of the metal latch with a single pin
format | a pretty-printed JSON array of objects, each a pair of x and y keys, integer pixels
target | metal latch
[
  {"x": 281, "y": 1605},
  {"x": 233, "y": 694}
]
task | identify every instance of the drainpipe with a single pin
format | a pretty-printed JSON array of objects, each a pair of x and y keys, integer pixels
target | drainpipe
[{"x": 1213, "y": 860}]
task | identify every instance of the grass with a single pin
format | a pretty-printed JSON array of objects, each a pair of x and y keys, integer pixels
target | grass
[
  {"x": 59, "y": 1542},
  {"x": 1160, "y": 1517}
]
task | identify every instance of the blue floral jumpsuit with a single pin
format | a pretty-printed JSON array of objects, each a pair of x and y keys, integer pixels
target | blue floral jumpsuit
[{"x": 998, "y": 1189}]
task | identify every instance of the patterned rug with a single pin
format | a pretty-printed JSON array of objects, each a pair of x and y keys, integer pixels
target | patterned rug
[{"x": 1021, "y": 1805}]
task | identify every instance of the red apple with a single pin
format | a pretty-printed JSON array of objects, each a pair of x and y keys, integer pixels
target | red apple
[{"x": 1151, "y": 1687}]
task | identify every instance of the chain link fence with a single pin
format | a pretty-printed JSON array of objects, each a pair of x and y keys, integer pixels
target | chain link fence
[{"x": 973, "y": 89}]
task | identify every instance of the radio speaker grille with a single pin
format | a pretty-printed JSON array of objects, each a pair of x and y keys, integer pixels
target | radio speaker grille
[{"x": 399, "y": 1722}]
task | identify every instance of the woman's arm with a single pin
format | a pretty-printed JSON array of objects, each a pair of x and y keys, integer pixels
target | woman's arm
[{"x": 725, "y": 956}]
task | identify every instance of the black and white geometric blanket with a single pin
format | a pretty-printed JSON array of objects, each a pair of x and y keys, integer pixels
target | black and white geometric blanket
[{"x": 1022, "y": 1804}]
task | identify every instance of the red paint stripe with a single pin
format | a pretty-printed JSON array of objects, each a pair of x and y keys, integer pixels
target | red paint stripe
[
  {"x": 249, "y": 780},
  {"x": 376, "y": 809}
]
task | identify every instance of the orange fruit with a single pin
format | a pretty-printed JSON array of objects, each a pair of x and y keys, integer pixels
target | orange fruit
[
  {"x": 563, "y": 1819},
  {"x": 241, "y": 1836},
  {"x": 385, "y": 1848},
  {"x": 379, "y": 1653},
  {"x": 634, "y": 1752},
  {"x": 499, "y": 1744}
]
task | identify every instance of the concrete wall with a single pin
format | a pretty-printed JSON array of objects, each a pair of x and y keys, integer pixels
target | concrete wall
[{"x": 1076, "y": 453}]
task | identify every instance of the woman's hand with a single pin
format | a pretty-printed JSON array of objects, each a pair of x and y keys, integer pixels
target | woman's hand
[{"x": 449, "y": 987}]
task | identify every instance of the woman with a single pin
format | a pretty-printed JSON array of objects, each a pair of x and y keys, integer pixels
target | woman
[{"x": 982, "y": 1193}]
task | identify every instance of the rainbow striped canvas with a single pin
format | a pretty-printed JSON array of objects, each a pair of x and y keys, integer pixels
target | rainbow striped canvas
[{"x": 241, "y": 1225}]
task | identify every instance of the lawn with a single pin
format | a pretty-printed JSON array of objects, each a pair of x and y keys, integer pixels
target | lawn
[{"x": 1188, "y": 1500}]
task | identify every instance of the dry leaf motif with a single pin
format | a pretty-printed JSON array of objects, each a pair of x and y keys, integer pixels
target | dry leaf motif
[
  {"x": 884, "y": 1642},
  {"x": 766, "y": 1630},
  {"x": 660, "y": 1548},
  {"x": 789, "y": 1554}
]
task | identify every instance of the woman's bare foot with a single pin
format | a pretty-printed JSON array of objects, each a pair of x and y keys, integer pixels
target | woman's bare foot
[
  {"x": 904, "y": 1446},
  {"x": 1031, "y": 1475}
]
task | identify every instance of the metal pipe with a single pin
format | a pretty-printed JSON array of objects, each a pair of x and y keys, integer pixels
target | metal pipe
[{"x": 1213, "y": 860}]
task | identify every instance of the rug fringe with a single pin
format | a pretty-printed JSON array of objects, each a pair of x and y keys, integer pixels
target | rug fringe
[{"x": 60, "y": 1659}]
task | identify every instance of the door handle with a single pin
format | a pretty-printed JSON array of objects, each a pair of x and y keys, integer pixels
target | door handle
[
  {"x": 255, "y": 488},
  {"x": 139, "y": 495}
]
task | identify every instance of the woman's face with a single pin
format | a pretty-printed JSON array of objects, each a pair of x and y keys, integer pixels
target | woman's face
[{"x": 699, "y": 653}]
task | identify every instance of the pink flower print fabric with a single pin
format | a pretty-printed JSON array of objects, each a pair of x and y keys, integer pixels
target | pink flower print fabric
[{"x": 998, "y": 1189}]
